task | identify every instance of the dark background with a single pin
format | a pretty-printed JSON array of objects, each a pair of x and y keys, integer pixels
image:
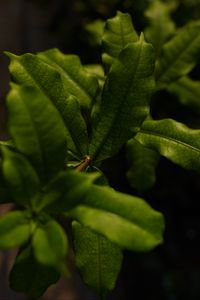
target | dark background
[{"x": 171, "y": 271}]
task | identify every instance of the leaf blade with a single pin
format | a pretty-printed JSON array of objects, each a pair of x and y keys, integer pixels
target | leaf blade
[
  {"x": 99, "y": 262},
  {"x": 179, "y": 55},
  {"x": 33, "y": 122},
  {"x": 125, "y": 100},
  {"x": 173, "y": 140}
]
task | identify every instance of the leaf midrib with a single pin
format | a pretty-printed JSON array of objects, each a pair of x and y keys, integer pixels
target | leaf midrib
[
  {"x": 168, "y": 138},
  {"x": 169, "y": 66},
  {"x": 112, "y": 123},
  {"x": 71, "y": 78}
]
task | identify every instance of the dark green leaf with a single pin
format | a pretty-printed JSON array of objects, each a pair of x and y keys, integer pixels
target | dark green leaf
[
  {"x": 125, "y": 220},
  {"x": 50, "y": 245},
  {"x": 20, "y": 177},
  {"x": 95, "y": 31},
  {"x": 37, "y": 130},
  {"x": 98, "y": 260},
  {"x": 119, "y": 31},
  {"x": 179, "y": 55},
  {"x": 173, "y": 140},
  {"x": 30, "y": 277},
  {"x": 125, "y": 100},
  {"x": 15, "y": 229},
  {"x": 161, "y": 27},
  {"x": 187, "y": 91},
  {"x": 142, "y": 163}
]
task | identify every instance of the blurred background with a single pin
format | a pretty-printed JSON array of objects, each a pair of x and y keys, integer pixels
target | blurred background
[{"x": 171, "y": 271}]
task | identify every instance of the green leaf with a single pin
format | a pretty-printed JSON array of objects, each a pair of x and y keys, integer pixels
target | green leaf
[
  {"x": 97, "y": 259},
  {"x": 142, "y": 164},
  {"x": 37, "y": 130},
  {"x": 20, "y": 177},
  {"x": 30, "y": 277},
  {"x": 173, "y": 140},
  {"x": 119, "y": 31},
  {"x": 15, "y": 229},
  {"x": 125, "y": 100},
  {"x": 187, "y": 91},
  {"x": 98, "y": 71},
  {"x": 50, "y": 245},
  {"x": 125, "y": 220},
  {"x": 66, "y": 191},
  {"x": 76, "y": 80},
  {"x": 179, "y": 55},
  {"x": 161, "y": 27}
]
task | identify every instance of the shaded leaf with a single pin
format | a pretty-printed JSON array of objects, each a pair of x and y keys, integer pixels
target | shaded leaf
[
  {"x": 173, "y": 140},
  {"x": 76, "y": 129},
  {"x": 187, "y": 91},
  {"x": 50, "y": 245},
  {"x": 97, "y": 259},
  {"x": 161, "y": 27},
  {"x": 66, "y": 191},
  {"x": 30, "y": 277},
  {"x": 37, "y": 130},
  {"x": 179, "y": 55},
  {"x": 125, "y": 220},
  {"x": 125, "y": 100},
  {"x": 119, "y": 31},
  {"x": 20, "y": 177},
  {"x": 142, "y": 164},
  {"x": 15, "y": 229},
  {"x": 95, "y": 31}
]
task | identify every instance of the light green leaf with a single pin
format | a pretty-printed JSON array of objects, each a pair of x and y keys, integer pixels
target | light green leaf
[
  {"x": 50, "y": 245},
  {"x": 20, "y": 177},
  {"x": 173, "y": 140},
  {"x": 179, "y": 55},
  {"x": 15, "y": 229},
  {"x": 187, "y": 91},
  {"x": 76, "y": 80},
  {"x": 142, "y": 164},
  {"x": 125, "y": 100},
  {"x": 37, "y": 130},
  {"x": 97, "y": 259},
  {"x": 119, "y": 31},
  {"x": 125, "y": 220},
  {"x": 66, "y": 191},
  {"x": 30, "y": 277},
  {"x": 161, "y": 27}
]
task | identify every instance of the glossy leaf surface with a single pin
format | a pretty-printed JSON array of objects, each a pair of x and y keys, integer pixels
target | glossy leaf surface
[
  {"x": 125, "y": 220},
  {"x": 30, "y": 277},
  {"x": 15, "y": 229},
  {"x": 179, "y": 55},
  {"x": 97, "y": 259},
  {"x": 37, "y": 130},
  {"x": 119, "y": 31},
  {"x": 125, "y": 100},
  {"x": 142, "y": 165},
  {"x": 173, "y": 140}
]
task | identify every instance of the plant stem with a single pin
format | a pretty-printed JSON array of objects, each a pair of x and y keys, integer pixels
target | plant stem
[{"x": 84, "y": 164}]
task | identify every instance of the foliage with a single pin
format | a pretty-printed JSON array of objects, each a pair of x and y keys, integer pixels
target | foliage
[{"x": 64, "y": 120}]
